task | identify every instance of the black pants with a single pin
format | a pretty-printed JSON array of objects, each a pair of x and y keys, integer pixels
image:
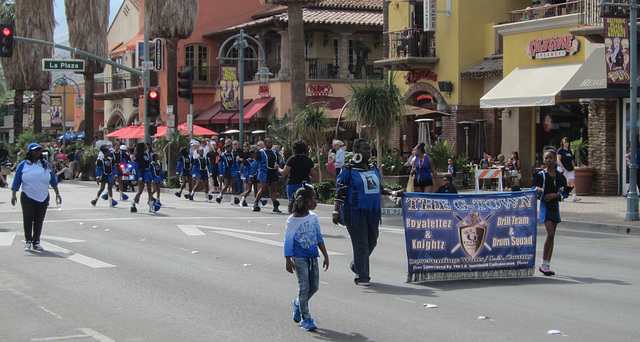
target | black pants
[{"x": 33, "y": 213}]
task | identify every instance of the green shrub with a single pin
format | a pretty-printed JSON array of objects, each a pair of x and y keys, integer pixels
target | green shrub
[
  {"x": 326, "y": 190},
  {"x": 173, "y": 182},
  {"x": 393, "y": 186}
]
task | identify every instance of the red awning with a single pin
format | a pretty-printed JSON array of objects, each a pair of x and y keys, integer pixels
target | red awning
[
  {"x": 223, "y": 118},
  {"x": 252, "y": 108},
  {"x": 204, "y": 117},
  {"x": 131, "y": 44}
]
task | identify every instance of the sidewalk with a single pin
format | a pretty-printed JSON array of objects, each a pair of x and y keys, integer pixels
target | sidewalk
[{"x": 594, "y": 213}]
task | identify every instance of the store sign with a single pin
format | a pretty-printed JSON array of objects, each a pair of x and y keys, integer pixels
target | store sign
[
  {"x": 547, "y": 123},
  {"x": 553, "y": 47},
  {"x": 229, "y": 88},
  {"x": 158, "y": 54},
  {"x": 315, "y": 89},
  {"x": 616, "y": 43},
  {"x": 430, "y": 15},
  {"x": 414, "y": 76},
  {"x": 264, "y": 91}
]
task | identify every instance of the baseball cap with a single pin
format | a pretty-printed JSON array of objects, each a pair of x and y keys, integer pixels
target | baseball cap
[
  {"x": 33, "y": 146},
  {"x": 195, "y": 143},
  {"x": 104, "y": 148},
  {"x": 123, "y": 148}
]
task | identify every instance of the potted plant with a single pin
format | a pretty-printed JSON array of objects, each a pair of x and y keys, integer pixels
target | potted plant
[{"x": 584, "y": 174}]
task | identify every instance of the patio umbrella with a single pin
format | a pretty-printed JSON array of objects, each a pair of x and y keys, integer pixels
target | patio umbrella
[
  {"x": 79, "y": 136},
  {"x": 129, "y": 132},
  {"x": 62, "y": 156},
  {"x": 69, "y": 136},
  {"x": 184, "y": 130}
]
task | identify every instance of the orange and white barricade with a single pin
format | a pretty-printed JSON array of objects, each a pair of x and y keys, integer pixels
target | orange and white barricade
[{"x": 488, "y": 174}]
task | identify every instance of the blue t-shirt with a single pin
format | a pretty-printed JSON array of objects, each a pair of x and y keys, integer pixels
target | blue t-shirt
[{"x": 301, "y": 236}]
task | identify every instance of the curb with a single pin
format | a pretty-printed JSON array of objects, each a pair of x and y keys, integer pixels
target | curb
[{"x": 620, "y": 229}]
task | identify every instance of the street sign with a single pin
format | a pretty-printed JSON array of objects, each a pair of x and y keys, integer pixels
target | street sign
[
  {"x": 62, "y": 64},
  {"x": 190, "y": 122},
  {"x": 171, "y": 122},
  {"x": 158, "y": 54},
  {"x": 147, "y": 65}
]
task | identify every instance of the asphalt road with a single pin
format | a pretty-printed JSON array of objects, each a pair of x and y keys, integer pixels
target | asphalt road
[{"x": 198, "y": 271}]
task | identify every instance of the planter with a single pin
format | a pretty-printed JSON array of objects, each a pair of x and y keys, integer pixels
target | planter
[{"x": 584, "y": 180}]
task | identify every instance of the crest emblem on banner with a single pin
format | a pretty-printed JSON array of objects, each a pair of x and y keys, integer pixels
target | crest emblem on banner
[{"x": 472, "y": 234}]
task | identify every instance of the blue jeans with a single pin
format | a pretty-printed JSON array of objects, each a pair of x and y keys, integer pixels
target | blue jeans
[
  {"x": 308, "y": 282},
  {"x": 364, "y": 239},
  {"x": 291, "y": 189},
  {"x": 239, "y": 184}
]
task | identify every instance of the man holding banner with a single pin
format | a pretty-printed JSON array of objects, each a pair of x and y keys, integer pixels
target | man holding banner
[{"x": 357, "y": 205}]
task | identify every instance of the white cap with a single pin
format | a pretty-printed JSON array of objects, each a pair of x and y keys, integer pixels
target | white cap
[{"x": 195, "y": 143}]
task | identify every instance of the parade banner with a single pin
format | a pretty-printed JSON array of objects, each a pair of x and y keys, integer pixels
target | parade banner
[
  {"x": 229, "y": 90},
  {"x": 56, "y": 111},
  {"x": 454, "y": 236},
  {"x": 616, "y": 43}
]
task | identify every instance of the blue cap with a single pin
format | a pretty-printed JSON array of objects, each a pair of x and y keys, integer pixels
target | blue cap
[
  {"x": 33, "y": 146},
  {"x": 104, "y": 148}
]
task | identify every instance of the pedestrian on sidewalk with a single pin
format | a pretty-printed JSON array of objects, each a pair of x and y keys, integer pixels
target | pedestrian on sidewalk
[
  {"x": 566, "y": 165},
  {"x": 35, "y": 175},
  {"x": 357, "y": 205},
  {"x": 551, "y": 186},
  {"x": 302, "y": 240}
]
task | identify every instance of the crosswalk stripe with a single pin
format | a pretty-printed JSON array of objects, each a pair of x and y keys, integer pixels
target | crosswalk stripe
[
  {"x": 261, "y": 240},
  {"x": 79, "y": 258},
  {"x": 6, "y": 238}
]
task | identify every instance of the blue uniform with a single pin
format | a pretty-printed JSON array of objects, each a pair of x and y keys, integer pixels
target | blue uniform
[
  {"x": 228, "y": 165},
  {"x": 106, "y": 170},
  {"x": 201, "y": 168},
  {"x": 246, "y": 170},
  {"x": 143, "y": 168},
  {"x": 184, "y": 166},
  {"x": 156, "y": 169},
  {"x": 266, "y": 166}
]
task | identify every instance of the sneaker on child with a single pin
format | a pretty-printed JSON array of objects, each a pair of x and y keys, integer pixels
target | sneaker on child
[{"x": 308, "y": 325}]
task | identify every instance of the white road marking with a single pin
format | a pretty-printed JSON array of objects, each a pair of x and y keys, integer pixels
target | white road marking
[
  {"x": 79, "y": 258},
  {"x": 6, "y": 238},
  {"x": 261, "y": 240},
  {"x": 60, "y": 238},
  {"x": 59, "y": 338},
  {"x": 146, "y": 217},
  {"x": 393, "y": 230},
  {"x": 96, "y": 335},
  {"x": 194, "y": 230}
]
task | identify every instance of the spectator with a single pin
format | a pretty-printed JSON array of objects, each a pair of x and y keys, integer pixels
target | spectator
[{"x": 447, "y": 186}]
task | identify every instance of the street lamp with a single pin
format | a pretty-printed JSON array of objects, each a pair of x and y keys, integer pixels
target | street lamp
[{"x": 263, "y": 73}]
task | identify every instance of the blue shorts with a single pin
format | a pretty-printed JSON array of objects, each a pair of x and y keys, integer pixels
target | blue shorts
[
  {"x": 107, "y": 179},
  {"x": 200, "y": 174},
  {"x": 157, "y": 180}
]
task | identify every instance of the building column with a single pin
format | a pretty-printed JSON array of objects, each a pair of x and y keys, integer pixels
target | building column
[
  {"x": 343, "y": 55},
  {"x": 285, "y": 65},
  {"x": 602, "y": 146}
]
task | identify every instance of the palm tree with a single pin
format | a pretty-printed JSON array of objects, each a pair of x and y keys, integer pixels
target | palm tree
[
  {"x": 296, "y": 49},
  {"x": 35, "y": 19},
  {"x": 280, "y": 131},
  {"x": 14, "y": 77},
  {"x": 379, "y": 106},
  {"x": 88, "y": 21},
  {"x": 311, "y": 123},
  {"x": 160, "y": 16}
]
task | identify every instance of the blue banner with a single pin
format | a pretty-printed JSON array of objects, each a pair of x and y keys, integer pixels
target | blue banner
[{"x": 470, "y": 233}]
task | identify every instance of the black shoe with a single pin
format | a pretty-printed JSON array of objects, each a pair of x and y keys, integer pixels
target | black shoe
[
  {"x": 133, "y": 209},
  {"x": 276, "y": 204},
  {"x": 178, "y": 194},
  {"x": 546, "y": 272},
  {"x": 219, "y": 199},
  {"x": 352, "y": 267},
  {"x": 256, "y": 207},
  {"x": 93, "y": 202},
  {"x": 245, "y": 204},
  {"x": 236, "y": 200}
]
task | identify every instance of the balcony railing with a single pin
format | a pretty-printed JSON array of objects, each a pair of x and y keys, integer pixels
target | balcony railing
[
  {"x": 547, "y": 11},
  {"x": 411, "y": 43},
  {"x": 591, "y": 14}
]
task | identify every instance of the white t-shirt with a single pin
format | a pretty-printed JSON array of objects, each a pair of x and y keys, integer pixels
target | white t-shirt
[{"x": 339, "y": 163}]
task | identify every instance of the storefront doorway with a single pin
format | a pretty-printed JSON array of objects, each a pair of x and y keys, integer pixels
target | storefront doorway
[
  {"x": 558, "y": 121},
  {"x": 626, "y": 133}
]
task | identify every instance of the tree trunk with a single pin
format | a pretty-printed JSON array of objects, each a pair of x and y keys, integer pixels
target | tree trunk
[
  {"x": 37, "y": 111},
  {"x": 172, "y": 79},
  {"x": 88, "y": 109},
  {"x": 18, "y": 110},
  {"x": 296, "y": 52}
]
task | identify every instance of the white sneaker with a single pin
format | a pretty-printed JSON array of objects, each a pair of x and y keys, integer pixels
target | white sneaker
[
  {"x": 577, "y": 199},
  {"x": 37, "y": 247},
  {"x": 27, "y": 246}
]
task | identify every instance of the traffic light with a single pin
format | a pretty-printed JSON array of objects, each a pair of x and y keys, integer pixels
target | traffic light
[
  {"x": 6, "y": 41},
  {"x": 185, "y": 84},
  {"x": 153, "y": 101},
  {"x": 153, "y": 130}
]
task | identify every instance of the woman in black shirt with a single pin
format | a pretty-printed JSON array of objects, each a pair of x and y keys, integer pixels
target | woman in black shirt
[{"x": 298, "y": 168}]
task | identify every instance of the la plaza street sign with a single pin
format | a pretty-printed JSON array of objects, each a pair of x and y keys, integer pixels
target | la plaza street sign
[{"x": 62, "y": 64}]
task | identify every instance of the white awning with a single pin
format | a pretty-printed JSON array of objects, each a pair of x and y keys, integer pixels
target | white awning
[{"x": 530, "y": 87}]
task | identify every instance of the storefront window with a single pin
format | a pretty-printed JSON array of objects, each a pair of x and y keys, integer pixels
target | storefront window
[{"x": 555, "y": 122}]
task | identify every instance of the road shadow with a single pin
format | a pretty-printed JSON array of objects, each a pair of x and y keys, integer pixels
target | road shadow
[
  {"x": 465, "y": 284},
  {"x": 589, "y": 280},
  {"x": 44, "y": 254},
  {"x": 331, "y": 335},
  {"x": 406, "y": 290}
]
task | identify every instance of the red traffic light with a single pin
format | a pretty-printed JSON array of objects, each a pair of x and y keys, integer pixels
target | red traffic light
[
  {"x": 153, "y": 94},
  {"x": 6, "y": 31}
]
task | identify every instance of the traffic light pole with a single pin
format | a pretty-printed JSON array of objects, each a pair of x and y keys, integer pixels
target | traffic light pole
[{"x": 145, "y": 73}]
